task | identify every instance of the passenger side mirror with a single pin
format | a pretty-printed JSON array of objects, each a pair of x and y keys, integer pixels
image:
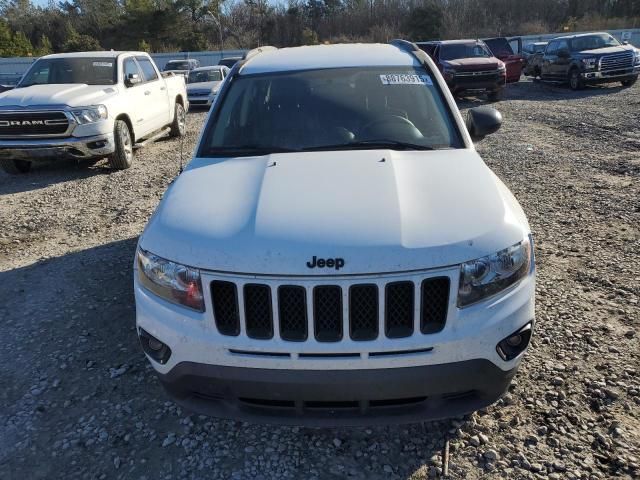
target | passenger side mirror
[
  {"x": 625, "y": 42},
  {"x": 132, "y": 79},
  {"x": 483, "y": 121}
]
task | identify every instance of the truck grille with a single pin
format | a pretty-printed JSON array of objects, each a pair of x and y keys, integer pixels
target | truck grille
[
  {"x": 618, "y": 61},
  {"x": 325, "y": 315},
  {"x": 33, "y": 124}
]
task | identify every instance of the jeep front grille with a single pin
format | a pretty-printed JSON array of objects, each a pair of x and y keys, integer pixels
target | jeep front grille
[
  {"x": 618, "y": 61},
  {"x": 360, "y": 311},
  {"x": 17, "y": 124}
]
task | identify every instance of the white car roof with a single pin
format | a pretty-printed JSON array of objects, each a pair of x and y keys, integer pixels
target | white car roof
[
  {"x": 107, "y": 54},
  {"x": 329, "y": 56},
  {"x": 210, "y": 67}
]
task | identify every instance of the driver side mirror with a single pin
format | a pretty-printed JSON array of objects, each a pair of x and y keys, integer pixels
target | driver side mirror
[
  {"x": 625, "y": 42},
  {"x": 483, "y": 121},
  {"x": 132, "y": 79}
]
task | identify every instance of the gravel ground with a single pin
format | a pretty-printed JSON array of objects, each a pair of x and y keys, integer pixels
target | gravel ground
[{"x": 79, "y": 400}]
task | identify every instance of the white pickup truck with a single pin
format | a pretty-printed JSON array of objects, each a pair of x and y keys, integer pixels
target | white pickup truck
[{"x": 89, "y": 105}]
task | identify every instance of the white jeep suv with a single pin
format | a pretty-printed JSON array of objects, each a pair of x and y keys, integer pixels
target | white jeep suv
[{"x": 337, "y": 252}]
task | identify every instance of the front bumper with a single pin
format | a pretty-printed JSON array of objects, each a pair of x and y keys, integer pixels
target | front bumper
[
  {"x": 79, "y": 148},
  {"x": 610, "y": 75},
  {"x": 457, "y": 369},
  {"x": 335, "y": 398},
  {"x": 200, "y": 100}
]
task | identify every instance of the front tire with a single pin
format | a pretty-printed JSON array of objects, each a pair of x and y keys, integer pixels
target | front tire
[
  {"x": 15, "y": 167},
  {"x": 122, "y": 158},
  {"x": 629, "y": 82},
  {"x": 179, "y": 125},
  {"x": 575, "y": 81}
]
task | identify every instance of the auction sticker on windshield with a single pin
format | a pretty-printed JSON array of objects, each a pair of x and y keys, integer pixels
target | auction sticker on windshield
[
  {"x": 405, "y": 79},
  {"x": 102, "y": 64}
]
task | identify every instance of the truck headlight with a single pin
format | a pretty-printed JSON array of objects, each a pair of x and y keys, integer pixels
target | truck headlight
[
  {"x": 636, "y": 60},
  {"x": 173, "y": 282},
  {"x": 487, "y": 276},
  {"x": 589, "y": 63},
  {"x": 84, "y": 115},
  {"x": 502, "y": 68}
]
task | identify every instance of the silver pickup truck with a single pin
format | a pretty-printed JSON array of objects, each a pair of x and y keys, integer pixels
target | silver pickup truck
[{"x": 88, "y": 105}]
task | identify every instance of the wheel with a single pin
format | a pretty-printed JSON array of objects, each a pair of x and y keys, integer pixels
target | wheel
[
  {"x": 495, "y": 96},
  {"x": 123, "y": 155},
  {"x": 629, "y": 82},
  {"x": 15, "y": 167},
  {"x": 178, "y": 127},
  {"x": 537, "y": 72},
  {"x": 575, "y": 82}
]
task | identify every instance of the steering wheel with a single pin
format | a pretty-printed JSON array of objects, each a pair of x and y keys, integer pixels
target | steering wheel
[{"x": 391, "y": 123}]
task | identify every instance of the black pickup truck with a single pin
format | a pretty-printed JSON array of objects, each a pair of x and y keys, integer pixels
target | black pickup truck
[{"x": 589, "y": 59}]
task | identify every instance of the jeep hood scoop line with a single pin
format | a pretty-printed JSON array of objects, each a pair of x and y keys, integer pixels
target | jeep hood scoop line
[{"x": 238, "y": 215}]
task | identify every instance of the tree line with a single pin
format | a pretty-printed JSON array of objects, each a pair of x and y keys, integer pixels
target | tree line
[{"x": 196, "y": 25}]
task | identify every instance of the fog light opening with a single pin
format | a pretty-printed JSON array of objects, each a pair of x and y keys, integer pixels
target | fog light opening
[
  {"x": 513, "y": 345},
  {"x": 154, "y": 348}
]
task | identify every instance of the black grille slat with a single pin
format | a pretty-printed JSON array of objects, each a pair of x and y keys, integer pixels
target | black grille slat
[
  {"x": 292, "y": 313},
  {"x": 327, "y": 312},
  {"x": 224, "y": 297},
  {"x": 258, "y": 312},
  {"x": 363, "y": 312},
  {"x": 32, "y": 123},
  {"x": 435, "y": 303},
  {"x": 399, "y": 309}
]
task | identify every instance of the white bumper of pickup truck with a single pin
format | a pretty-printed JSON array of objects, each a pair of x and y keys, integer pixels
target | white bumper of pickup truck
[{"x": 58, "y": 148}]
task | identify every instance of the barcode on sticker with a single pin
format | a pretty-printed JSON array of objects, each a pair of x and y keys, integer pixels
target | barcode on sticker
[
  {"x": 405, "y": 79},
  {"x": 102, "y": 64}
]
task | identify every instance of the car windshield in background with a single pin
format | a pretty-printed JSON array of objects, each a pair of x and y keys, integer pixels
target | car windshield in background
[
  {"x": 176, "y": 66},
  {"x": 463, "y": 50},
  {"x": 331, "y": 109},
  {"x": 91, "y": 71},
  {"x": 593, "y": 42},
  {"x": 205, "y": 76}
]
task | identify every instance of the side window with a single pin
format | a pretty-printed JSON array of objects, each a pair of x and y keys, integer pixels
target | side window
[
  {"x": 563, "y": 45},
  {"x": 129, "y": 66},
  {"x": 148, "y": 71},
  {"x": 552, "y": 48}
]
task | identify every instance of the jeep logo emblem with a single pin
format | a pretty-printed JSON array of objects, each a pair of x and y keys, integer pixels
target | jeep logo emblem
[{"x": 336, "y": 263}]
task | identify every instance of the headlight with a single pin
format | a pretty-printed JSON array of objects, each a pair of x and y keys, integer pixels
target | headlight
[
  {"x": 84, "y": 115},
  {"x": 492, "y": 274},
  {"x": 448, "y": 71},
  {"x": 502, "y": 68},
  {"x": 589, "y": 63},
  {"x": 171, "y": 281},
  {"x": 637, "y": 58}
]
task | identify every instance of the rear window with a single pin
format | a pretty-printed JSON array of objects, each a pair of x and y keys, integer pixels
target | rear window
[
  {"x": 317, "y": 109},
  {"x": 199, "y": 76}
]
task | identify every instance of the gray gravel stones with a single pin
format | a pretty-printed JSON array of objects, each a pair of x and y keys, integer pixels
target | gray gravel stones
[{"x": 79, "y": 397}]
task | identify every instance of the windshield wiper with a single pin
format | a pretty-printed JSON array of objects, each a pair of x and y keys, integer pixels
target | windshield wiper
[
  {"x": 248, "y": 150},
  {"x": 372, "y": 144}
]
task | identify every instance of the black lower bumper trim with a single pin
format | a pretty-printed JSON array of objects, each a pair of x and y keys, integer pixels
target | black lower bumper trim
[{"x": 337, "y": 397}]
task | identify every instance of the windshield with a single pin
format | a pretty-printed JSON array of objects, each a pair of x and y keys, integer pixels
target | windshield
[
  {"x": 91, "y": 71},
  {"x": 205, "y": 76},
  {"x": 342, "y": 108},
  {"x": 454, "y": 51},
  {"x": 593, "y": 42},
  {"x": 176, "y": 65}
]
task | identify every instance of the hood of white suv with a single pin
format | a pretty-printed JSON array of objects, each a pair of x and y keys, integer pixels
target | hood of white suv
[
  {"x": 73, "y": 95},
  {"x": 377, "y": 210}
]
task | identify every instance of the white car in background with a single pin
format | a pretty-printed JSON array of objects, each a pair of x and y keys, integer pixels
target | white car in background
[
  {"x": 337, "y": 252},
  {"x": 88, "y": 105},
  {"x": 204, "y": 83}
]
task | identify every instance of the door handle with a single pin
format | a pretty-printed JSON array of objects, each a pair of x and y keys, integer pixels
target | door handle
[
  {"x": 148, "y": 92},
  {"x": 163, "y": 88}
]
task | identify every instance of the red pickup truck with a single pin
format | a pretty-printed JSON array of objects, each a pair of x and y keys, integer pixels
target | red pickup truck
[
  {"x": 468, "y": 66},
  {"x": 501, "y": 48}
]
